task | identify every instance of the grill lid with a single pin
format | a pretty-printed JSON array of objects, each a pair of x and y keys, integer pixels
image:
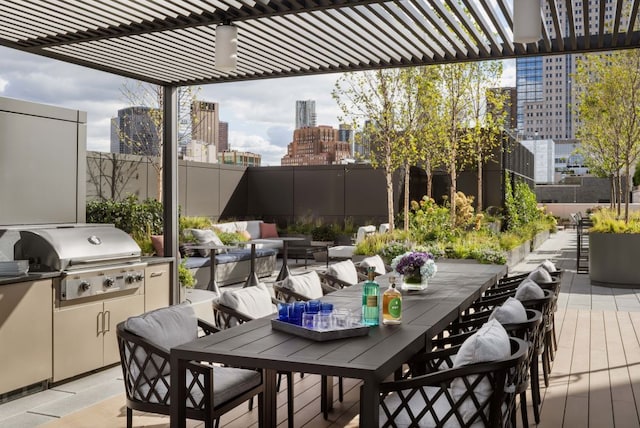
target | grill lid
[{"x": 66, "y": 248}]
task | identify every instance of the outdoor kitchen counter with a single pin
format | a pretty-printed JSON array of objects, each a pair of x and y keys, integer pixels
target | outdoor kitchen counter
[
  {"x": 154, "y": 260},
  {"x": 6, "y": 280}
]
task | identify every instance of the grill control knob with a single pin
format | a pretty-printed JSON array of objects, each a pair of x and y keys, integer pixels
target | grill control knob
[
  {"x": 139, "y": 277},
  {"x": 130, "y": 279},
  {"x": 108, "y": 282},
  {"x": 85, "y": 286}
]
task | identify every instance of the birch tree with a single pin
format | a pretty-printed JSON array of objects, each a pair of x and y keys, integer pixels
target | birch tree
[
  {"x": 609, "y": 109},
  {"x": 372, "y": 100},
  {"x": 148, "y": 142}
]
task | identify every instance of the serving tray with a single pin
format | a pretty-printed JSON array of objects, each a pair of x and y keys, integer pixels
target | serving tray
[{"x": 319, "y": 335}]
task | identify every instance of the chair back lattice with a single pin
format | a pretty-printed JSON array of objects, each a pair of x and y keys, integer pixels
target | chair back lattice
[
  {"x": 146, "y": 371},
  {"x": 482, "y": 393}
]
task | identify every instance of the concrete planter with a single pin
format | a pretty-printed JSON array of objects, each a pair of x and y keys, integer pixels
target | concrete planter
[
  {"x": 539, "y": 239},
  {"x": 518, "y": 254},
  {"x": 612, "y": 261}
]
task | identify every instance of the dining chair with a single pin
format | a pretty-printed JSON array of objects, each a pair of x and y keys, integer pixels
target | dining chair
[
  {"x": 375, "y": 261},
  {"x": 527, "y": 329},
  {"x": 305, "y": 287},
  {"x": 478, "y": 389},
  {"x": 144, "y": 343},
  {"x": 235, "y": 307}
]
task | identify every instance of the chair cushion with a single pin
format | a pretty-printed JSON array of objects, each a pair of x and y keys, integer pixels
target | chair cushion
[
  {"x": 376, "y": 262},
  {"x": 539, "y": 275},
  {"x": 268, "y": 230},
  {"x": 158, "y": 244},
  {"x": 228, "y": 382},
  {"x": 307, "y": 284},
  {"x": 206, "y": 236},
  {"x": 510, "y": 312},
  {"x": 489, "y": 343},
  {"x": 166, "y": 327},
  {"x": 528, "y": 290},
  {"x": 363, "y": 231},
  {"x": 548, "y": 266},
  {"x": 344, "y": 271},
  {"x": 254, "y": 302}
]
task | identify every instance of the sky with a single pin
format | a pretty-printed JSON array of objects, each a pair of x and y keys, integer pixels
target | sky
[{"x": 261, "y": 113}]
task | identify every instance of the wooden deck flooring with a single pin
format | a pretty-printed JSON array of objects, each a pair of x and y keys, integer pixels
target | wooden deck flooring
[{"x": 595, "y": 378}]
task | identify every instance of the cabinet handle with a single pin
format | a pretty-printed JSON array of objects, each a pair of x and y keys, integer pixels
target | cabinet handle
[
  {"x": 158, "y": 273},
  {"x": 107, "y": 315},
  {"x": 100, "y": 323}
]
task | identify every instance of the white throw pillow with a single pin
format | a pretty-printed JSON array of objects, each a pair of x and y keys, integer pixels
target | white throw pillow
[
  {"x": 540, "y": 274},
  {"x": 376, "y": 262},
  {"x": 307, "y": 284},
  {"x": 528, "y": 290},
  {"x": 254, "y": 301},
  {"x": 548, "y": 266},
  {"x": 489, "y": 343},
  {"x": 363, "y": 231},
  {"x": 206, "y": 236},
  {"x": 344, "y": 271},
  {"x": 510, "y": 312}
]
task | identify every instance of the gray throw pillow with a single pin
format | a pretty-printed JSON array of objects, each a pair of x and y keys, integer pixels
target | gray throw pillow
[
  {"x": 510, "y": 312},
  {"x": 206, "y": 236},
  {"x": 528, "y": 290}
]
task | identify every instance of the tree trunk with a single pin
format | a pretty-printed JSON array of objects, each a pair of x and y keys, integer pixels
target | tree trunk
[
  {"x": 479, "y": 199},
  {"x": 429, "y": 184},
  {"x": 612, "y": 191},
  {"x": 452, "y": 193},
  {"x": 407, "y": 176},
  {"x": 389, "y": 178},
  {"x": 627, "y": 171},
  {"x": 619, "y": 184}
]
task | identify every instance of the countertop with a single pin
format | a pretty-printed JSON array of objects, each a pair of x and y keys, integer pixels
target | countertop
[{"x": 5, "y": 280}]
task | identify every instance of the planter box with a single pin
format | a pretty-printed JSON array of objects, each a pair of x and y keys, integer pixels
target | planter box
[
  {"x": 518, "y": 254},
  {"x": 539, "y": 239},
  {"x": 612, "y": 261}
]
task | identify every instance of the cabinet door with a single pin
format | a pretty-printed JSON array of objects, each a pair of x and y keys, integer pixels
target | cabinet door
[
  {"x": 25, "y": 334},
  {"x": 156, "y": 287},
  {"x": 77, "y": 347},
  {"x": 115, "y": 311}
]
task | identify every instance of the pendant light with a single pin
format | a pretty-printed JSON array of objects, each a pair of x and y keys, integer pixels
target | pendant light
[
  {"x": 527, "y": 26},
  {"x": 226, "y": 55}
]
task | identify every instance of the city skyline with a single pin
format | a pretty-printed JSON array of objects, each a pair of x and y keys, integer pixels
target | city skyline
[{"x": 260, "y": 114}]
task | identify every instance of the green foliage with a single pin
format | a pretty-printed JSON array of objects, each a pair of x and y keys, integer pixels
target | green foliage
[
  {"x": 377, "y": 242},
  {"x": 636, "y": 175},
  {"x": 140, "y": 219},
  {"x": 195, "y": 223},
  {"x": 324, "y": 232},
  {"x": 429, "y": 221},
  {"x": 185, "y": 277},
  {"x": 230, "y": 238},
  {"x": 607, "y": 221}
]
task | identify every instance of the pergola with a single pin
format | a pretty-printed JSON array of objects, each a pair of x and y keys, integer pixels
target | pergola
[{"x": 172, "y": 42}]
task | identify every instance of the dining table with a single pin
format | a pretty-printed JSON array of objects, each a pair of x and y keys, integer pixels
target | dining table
[{"x": 372, "y": 358}]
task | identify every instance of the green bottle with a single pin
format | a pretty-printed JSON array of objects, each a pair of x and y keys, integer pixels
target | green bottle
[{"x": 371, "y": 300}]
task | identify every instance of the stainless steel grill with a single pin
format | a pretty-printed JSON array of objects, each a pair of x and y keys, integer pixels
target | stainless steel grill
[{"x": 92, "y": 259}]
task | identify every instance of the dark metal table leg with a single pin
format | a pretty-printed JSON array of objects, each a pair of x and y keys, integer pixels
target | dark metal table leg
[
  {"x": 252, "y": 279},
  {"x": 284, "y": 270},
  {"x": 213, "y": 285}
]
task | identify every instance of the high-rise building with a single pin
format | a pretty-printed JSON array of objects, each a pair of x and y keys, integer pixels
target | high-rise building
[
  {"x": 135, "y": 131},
  {"x": 317, "y": 145},
  {"x": 206, "y": 123},
  {"x": 545, "y": 94},
  {"x": 223, "y": 137},
  {"x": 305, "y": 114}
]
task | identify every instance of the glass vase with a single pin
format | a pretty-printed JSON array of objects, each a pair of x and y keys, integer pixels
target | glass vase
[{"x": 414, "y": 282}]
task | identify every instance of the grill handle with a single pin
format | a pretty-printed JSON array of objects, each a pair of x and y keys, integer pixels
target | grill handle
[{"x": 94, "y": 261}]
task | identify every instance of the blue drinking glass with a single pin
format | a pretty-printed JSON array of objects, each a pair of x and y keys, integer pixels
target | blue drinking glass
[
  {"x": 326, "y": 307},
  {"x": 313, "y": 306},
  {"x": 283, "y": 311},
  {"x": 295, "y": 313}
]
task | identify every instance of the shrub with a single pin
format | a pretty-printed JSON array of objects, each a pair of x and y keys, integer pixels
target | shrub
[
  {"x": 428, "y": 221},
  {"x": 607, "y": 221},
  {"x": 139, "y": 219},
  {"x": 185, "y": 277},
  {"x": 195, "y": 223}
]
